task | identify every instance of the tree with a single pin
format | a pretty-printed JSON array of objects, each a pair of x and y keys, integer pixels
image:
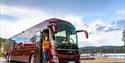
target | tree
[
  {"x": 2, "y": 44},
  {"x": 123, "y": 37},
  {"x": 2, "y": 41}
]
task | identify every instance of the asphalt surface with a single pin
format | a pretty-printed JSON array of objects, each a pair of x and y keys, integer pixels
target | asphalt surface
[{"x": 3, "y": 60}]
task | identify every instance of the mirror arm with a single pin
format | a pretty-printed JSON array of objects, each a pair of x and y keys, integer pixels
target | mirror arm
[
  {"x": 86, "y": 33},
  {"x": 52, "y": 29}
]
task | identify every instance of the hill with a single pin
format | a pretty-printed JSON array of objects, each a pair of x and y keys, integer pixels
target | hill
[{"x": 103, "y": 49}]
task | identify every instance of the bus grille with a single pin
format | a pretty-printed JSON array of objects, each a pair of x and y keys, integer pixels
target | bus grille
[
  {"x": 69, "y": 59},
  {"x": 68, "y": 52}
]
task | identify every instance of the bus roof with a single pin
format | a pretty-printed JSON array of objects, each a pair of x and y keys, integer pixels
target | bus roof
[{"x": 38, "y": 27}]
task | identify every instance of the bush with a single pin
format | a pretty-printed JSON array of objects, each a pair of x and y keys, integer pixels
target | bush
[{"x": 2, "y": 55}]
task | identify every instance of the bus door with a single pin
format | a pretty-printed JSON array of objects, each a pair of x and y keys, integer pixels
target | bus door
[{"x": 45, "y": 46}]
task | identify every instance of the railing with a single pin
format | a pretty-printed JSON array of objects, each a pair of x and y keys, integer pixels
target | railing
[{"x": 105, "y": 55}]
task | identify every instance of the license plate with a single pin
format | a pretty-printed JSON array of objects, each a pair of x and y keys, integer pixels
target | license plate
[{"x": 71, "y": 62}]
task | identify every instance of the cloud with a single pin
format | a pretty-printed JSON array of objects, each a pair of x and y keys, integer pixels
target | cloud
[
  {"x": 101, "y": 14},
  {"x": 101, "y": 34},
  {"x": 121, "y": 12},
  {"x": 77, "y": 21},
  {"x": 27, "y": 18},
  {"x": 101, "y": 38}
]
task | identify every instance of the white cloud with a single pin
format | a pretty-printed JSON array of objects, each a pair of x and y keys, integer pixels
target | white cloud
[
  {"x": 26, "y": 18},
  {"x": 100, "y": 37},
  {"x": 121, "y": 12},
  {"x": 29, "y": 17},
  {"x": 101, "y": 14},
  {"x": 75, "y": 20}
]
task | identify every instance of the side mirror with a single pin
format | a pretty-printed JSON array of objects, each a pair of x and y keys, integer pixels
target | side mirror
[
  {"x": 53, "y": 27},
  {"x": 86, "y": 33}
]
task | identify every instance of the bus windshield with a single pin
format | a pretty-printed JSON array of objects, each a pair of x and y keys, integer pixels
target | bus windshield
[{"x": 66, "y": 36}]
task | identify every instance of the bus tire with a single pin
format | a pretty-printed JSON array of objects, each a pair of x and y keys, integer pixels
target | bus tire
[
  {"x": 33, "y": 58},
  {"x": 9, "y": 58}
]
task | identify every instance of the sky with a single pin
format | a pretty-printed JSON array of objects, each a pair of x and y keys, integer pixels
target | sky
[{"x": 103, "y": 19}]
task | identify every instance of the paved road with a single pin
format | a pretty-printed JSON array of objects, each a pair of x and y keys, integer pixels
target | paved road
[{"x": 3, "y": 60}]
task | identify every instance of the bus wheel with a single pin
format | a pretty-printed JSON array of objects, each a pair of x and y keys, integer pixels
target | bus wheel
[
  {"x": 33, "y": 59},
  {"x": 9, "y": 57}
]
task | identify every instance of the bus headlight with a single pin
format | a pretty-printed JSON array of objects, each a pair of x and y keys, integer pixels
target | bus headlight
[{"x": 55, "y": 58}]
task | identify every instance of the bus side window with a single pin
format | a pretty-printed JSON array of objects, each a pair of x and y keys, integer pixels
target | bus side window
[
  {"x": 33, "y": 39},
  {"x": 38, "y": 36},
  {"x": 38, "y": 39}
]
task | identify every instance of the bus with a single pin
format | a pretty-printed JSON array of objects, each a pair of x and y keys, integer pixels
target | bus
[{"x": 27, "y": 46}]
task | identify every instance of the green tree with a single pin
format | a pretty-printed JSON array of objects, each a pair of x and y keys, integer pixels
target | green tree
[
  {"x": 123, "y": 37},
  {"x": 2, "y": 41}
]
